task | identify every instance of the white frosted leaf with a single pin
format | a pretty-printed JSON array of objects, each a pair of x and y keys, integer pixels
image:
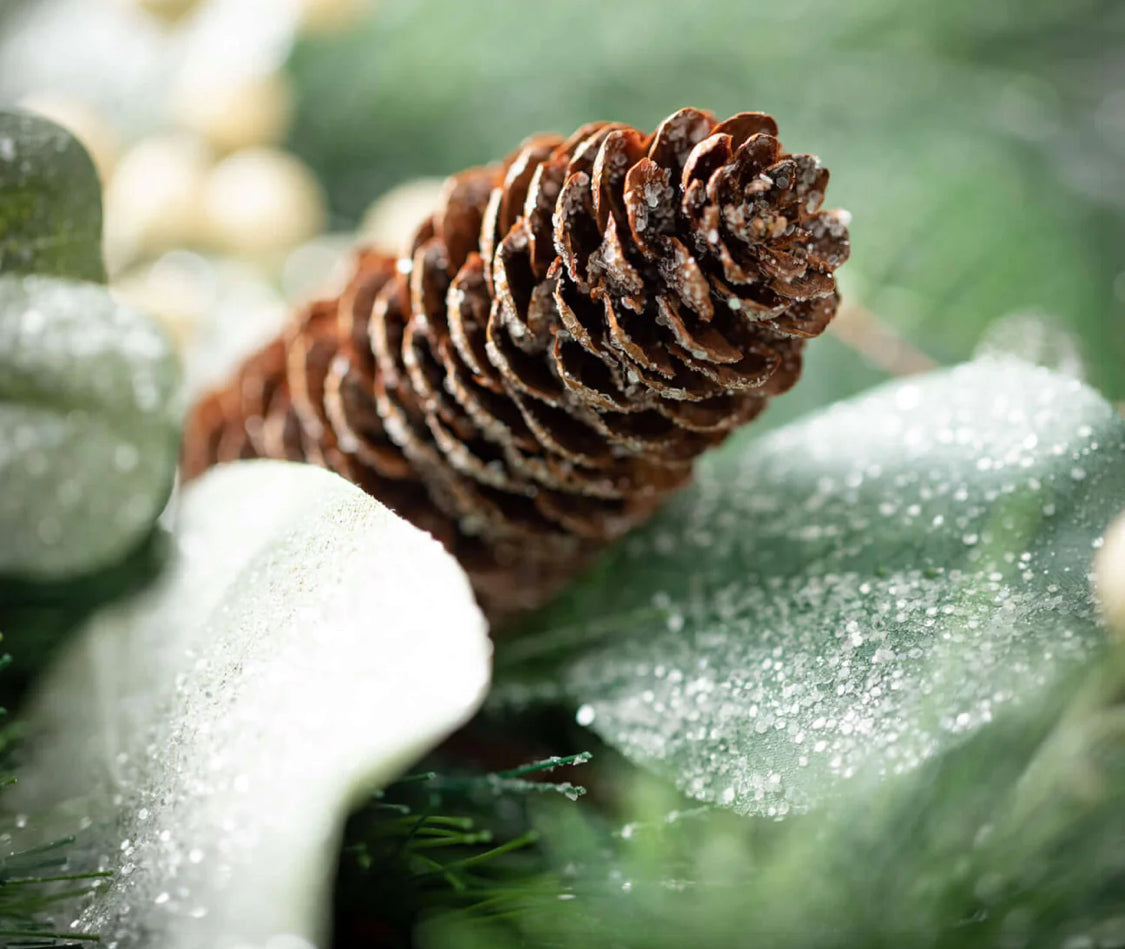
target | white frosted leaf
[
  {"x": 89, "y": 426},
  {"x": 849, "y": 596},
  {"x": 304, "y": 647}
]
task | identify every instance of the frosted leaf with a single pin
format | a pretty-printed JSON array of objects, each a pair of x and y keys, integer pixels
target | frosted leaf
[
  {"x": 849, "y": 596},
  {"x": 50, "y": 201},
  {"x": 89, "y": 427},
  {"x": 304, "y": 647}
]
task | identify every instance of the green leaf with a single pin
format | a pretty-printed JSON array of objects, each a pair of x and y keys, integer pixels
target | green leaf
[
  {"x": 50, "y": 201},
  {"x": 89, "y": 427},
  {"x": 305, "y": 646},
  {"x": 848, "y": 597}
]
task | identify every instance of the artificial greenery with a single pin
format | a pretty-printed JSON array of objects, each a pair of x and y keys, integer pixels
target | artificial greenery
[
  {"x": 439, "y": 842},
  {"x": 299, "y": 645},
  {"x": 35, "y": 879}
]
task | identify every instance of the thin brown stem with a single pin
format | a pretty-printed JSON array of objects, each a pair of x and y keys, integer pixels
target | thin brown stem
[{"x": 878, "y": 343}]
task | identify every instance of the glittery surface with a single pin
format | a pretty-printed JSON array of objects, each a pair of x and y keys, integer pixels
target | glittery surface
[
  {"x": 305, "y": 646},
  {"x": 89, "y": 426},
  {"x": 848, "y": 596}
]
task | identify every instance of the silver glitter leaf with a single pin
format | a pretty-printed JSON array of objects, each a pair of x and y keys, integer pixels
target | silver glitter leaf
[
  {"x": 50, "y": 201},
  {"x": 89, "y": 427},
  {"x": 305, "y": 646},
  {"x": 847, "y": 597}
]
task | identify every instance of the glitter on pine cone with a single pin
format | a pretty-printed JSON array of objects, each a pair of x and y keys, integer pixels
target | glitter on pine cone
[{"x": 567, "y": 332}]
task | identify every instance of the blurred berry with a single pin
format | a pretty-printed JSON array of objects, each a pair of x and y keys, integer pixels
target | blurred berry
[
  {"x": 237, "y": 112},
  {"x": 261, "y": 203},
  {"x": 329, "y": 16},
  {"x": 167, "y": 11},
  {"x": 390, "y": 222},
  {"x": 154, "y": 200}
]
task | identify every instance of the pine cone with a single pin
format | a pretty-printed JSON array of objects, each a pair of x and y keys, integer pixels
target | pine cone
[{"x": 566, "y": 334}]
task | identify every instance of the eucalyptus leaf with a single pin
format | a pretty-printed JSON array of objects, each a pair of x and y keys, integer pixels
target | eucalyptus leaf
[
  {"x": 89, "y": 427},
  {"x": 305, "y": 646},
  {"x": 848, "y": 597},
  {"x": 50, "y": 201}
]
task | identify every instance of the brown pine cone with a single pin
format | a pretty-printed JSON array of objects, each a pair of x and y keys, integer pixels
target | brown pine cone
[{"x": 565, "y": 335}]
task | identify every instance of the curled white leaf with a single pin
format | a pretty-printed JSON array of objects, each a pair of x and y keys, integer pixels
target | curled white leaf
[{"x": 305, "y": 647}]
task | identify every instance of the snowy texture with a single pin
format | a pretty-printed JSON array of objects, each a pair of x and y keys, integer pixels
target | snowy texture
[
  {"x": 849, "y": 596},
  {"x": 89, "y": 427},
  {"x": 304, "y": 648},
  {"x": 50, "y": 201}
]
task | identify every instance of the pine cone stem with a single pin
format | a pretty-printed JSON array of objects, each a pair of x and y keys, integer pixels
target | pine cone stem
[{"x": 568, "y": 331}]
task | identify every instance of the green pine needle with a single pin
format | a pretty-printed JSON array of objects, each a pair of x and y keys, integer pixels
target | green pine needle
[
  {"x": 433, "y": 843},
  {"x": 32, "y": 880}
]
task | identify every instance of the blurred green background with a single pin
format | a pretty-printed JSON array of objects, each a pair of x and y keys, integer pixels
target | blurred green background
[{"x": 980, "y": 147}]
